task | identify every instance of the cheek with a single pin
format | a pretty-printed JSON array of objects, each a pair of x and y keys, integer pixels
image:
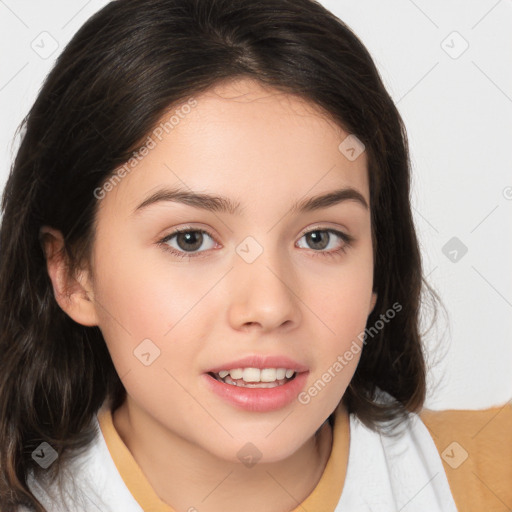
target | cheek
[
  {"x": 149, "y": 322},
  {"x": 342, "y": 306},
  {"x": 147, "y": 289},
  {"x": 344, "y": 322},
  {"x": 346, "y": 309},
  {"x": 139, "y": 297},
  {"x": 343, "y": 311},
  {"x": 343, "y": 302}
]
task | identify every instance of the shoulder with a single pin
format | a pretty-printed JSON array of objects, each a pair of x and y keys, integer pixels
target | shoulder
[
  {"x": 476, "y": 449},
  {"x": 87, "y": 482}
]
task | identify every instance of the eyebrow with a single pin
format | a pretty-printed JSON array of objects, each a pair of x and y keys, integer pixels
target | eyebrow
[{"x": 216, "y": 203}]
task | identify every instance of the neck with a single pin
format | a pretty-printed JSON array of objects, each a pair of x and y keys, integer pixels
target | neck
[{"x": 210, "y": 484}]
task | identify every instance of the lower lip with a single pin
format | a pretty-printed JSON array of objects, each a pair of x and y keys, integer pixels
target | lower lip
[{"x": 258, "y": 399}]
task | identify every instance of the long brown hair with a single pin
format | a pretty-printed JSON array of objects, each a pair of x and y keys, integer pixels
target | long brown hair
[{"x": 127, "y": 64}]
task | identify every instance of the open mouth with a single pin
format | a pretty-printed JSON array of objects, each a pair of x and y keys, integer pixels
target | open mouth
[
  {"x": 242, "y": 383},
  {"x": 257, "y": 389}
]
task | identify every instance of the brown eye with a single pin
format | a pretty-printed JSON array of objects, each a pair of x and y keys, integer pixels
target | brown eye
[
  {"x": 183, "y": 241},
  {"x": 320, "y": 239},
  {"x": 189, "y": 241}
]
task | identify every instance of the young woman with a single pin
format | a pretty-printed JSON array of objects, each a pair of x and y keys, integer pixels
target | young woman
[{"x": 211, "y": 282}]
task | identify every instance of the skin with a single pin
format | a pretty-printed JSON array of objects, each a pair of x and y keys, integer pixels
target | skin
[{"x": 266, "y": 150}]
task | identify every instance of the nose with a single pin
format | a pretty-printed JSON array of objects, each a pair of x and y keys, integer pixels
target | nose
[{"x": 263, "y": 295}]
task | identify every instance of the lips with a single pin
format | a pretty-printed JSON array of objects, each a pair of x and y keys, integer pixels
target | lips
[
  {"x": 261, "y": 362},
  {"x": 257, "y": 399},
  {"x": 260, "y": 397}
]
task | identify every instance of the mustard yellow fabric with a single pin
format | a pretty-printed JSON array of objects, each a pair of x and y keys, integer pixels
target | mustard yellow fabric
[
  {"x": 475, "y": 446},
  {"x": 476, "y": 449}
]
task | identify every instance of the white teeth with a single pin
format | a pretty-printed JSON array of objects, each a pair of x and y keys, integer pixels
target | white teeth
[
  {"x": 251, "y": 375},
  {"x": 236, "y": 374},
  {"x": 257, "y": 375},
  {"x": 268, "y": 375}
]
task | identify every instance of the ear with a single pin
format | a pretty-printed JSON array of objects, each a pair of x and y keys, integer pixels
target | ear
[
  {"x": 373, "y": 302},
  {"x": 72, "y": 293}
]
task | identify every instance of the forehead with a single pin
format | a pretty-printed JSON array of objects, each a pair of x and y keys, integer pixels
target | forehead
[{"x": 246, "y": 141}]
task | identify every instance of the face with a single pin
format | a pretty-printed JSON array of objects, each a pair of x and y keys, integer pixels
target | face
[{"x": 270, "y": 282}]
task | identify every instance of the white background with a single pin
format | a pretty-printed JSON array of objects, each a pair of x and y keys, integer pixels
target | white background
[{"x": 457, "y": 107}]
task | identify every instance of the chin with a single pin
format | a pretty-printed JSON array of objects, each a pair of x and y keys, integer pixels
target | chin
[{"x": 265, "y": 449}]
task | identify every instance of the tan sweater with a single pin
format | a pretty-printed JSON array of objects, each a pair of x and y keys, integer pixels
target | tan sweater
[{"x": 476, "y": 448}]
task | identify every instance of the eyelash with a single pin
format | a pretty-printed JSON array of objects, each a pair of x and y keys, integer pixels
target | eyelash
[{"x": 347, "y": 239}]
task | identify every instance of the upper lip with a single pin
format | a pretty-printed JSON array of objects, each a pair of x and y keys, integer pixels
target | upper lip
[{"x": 260, "y": 361}]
